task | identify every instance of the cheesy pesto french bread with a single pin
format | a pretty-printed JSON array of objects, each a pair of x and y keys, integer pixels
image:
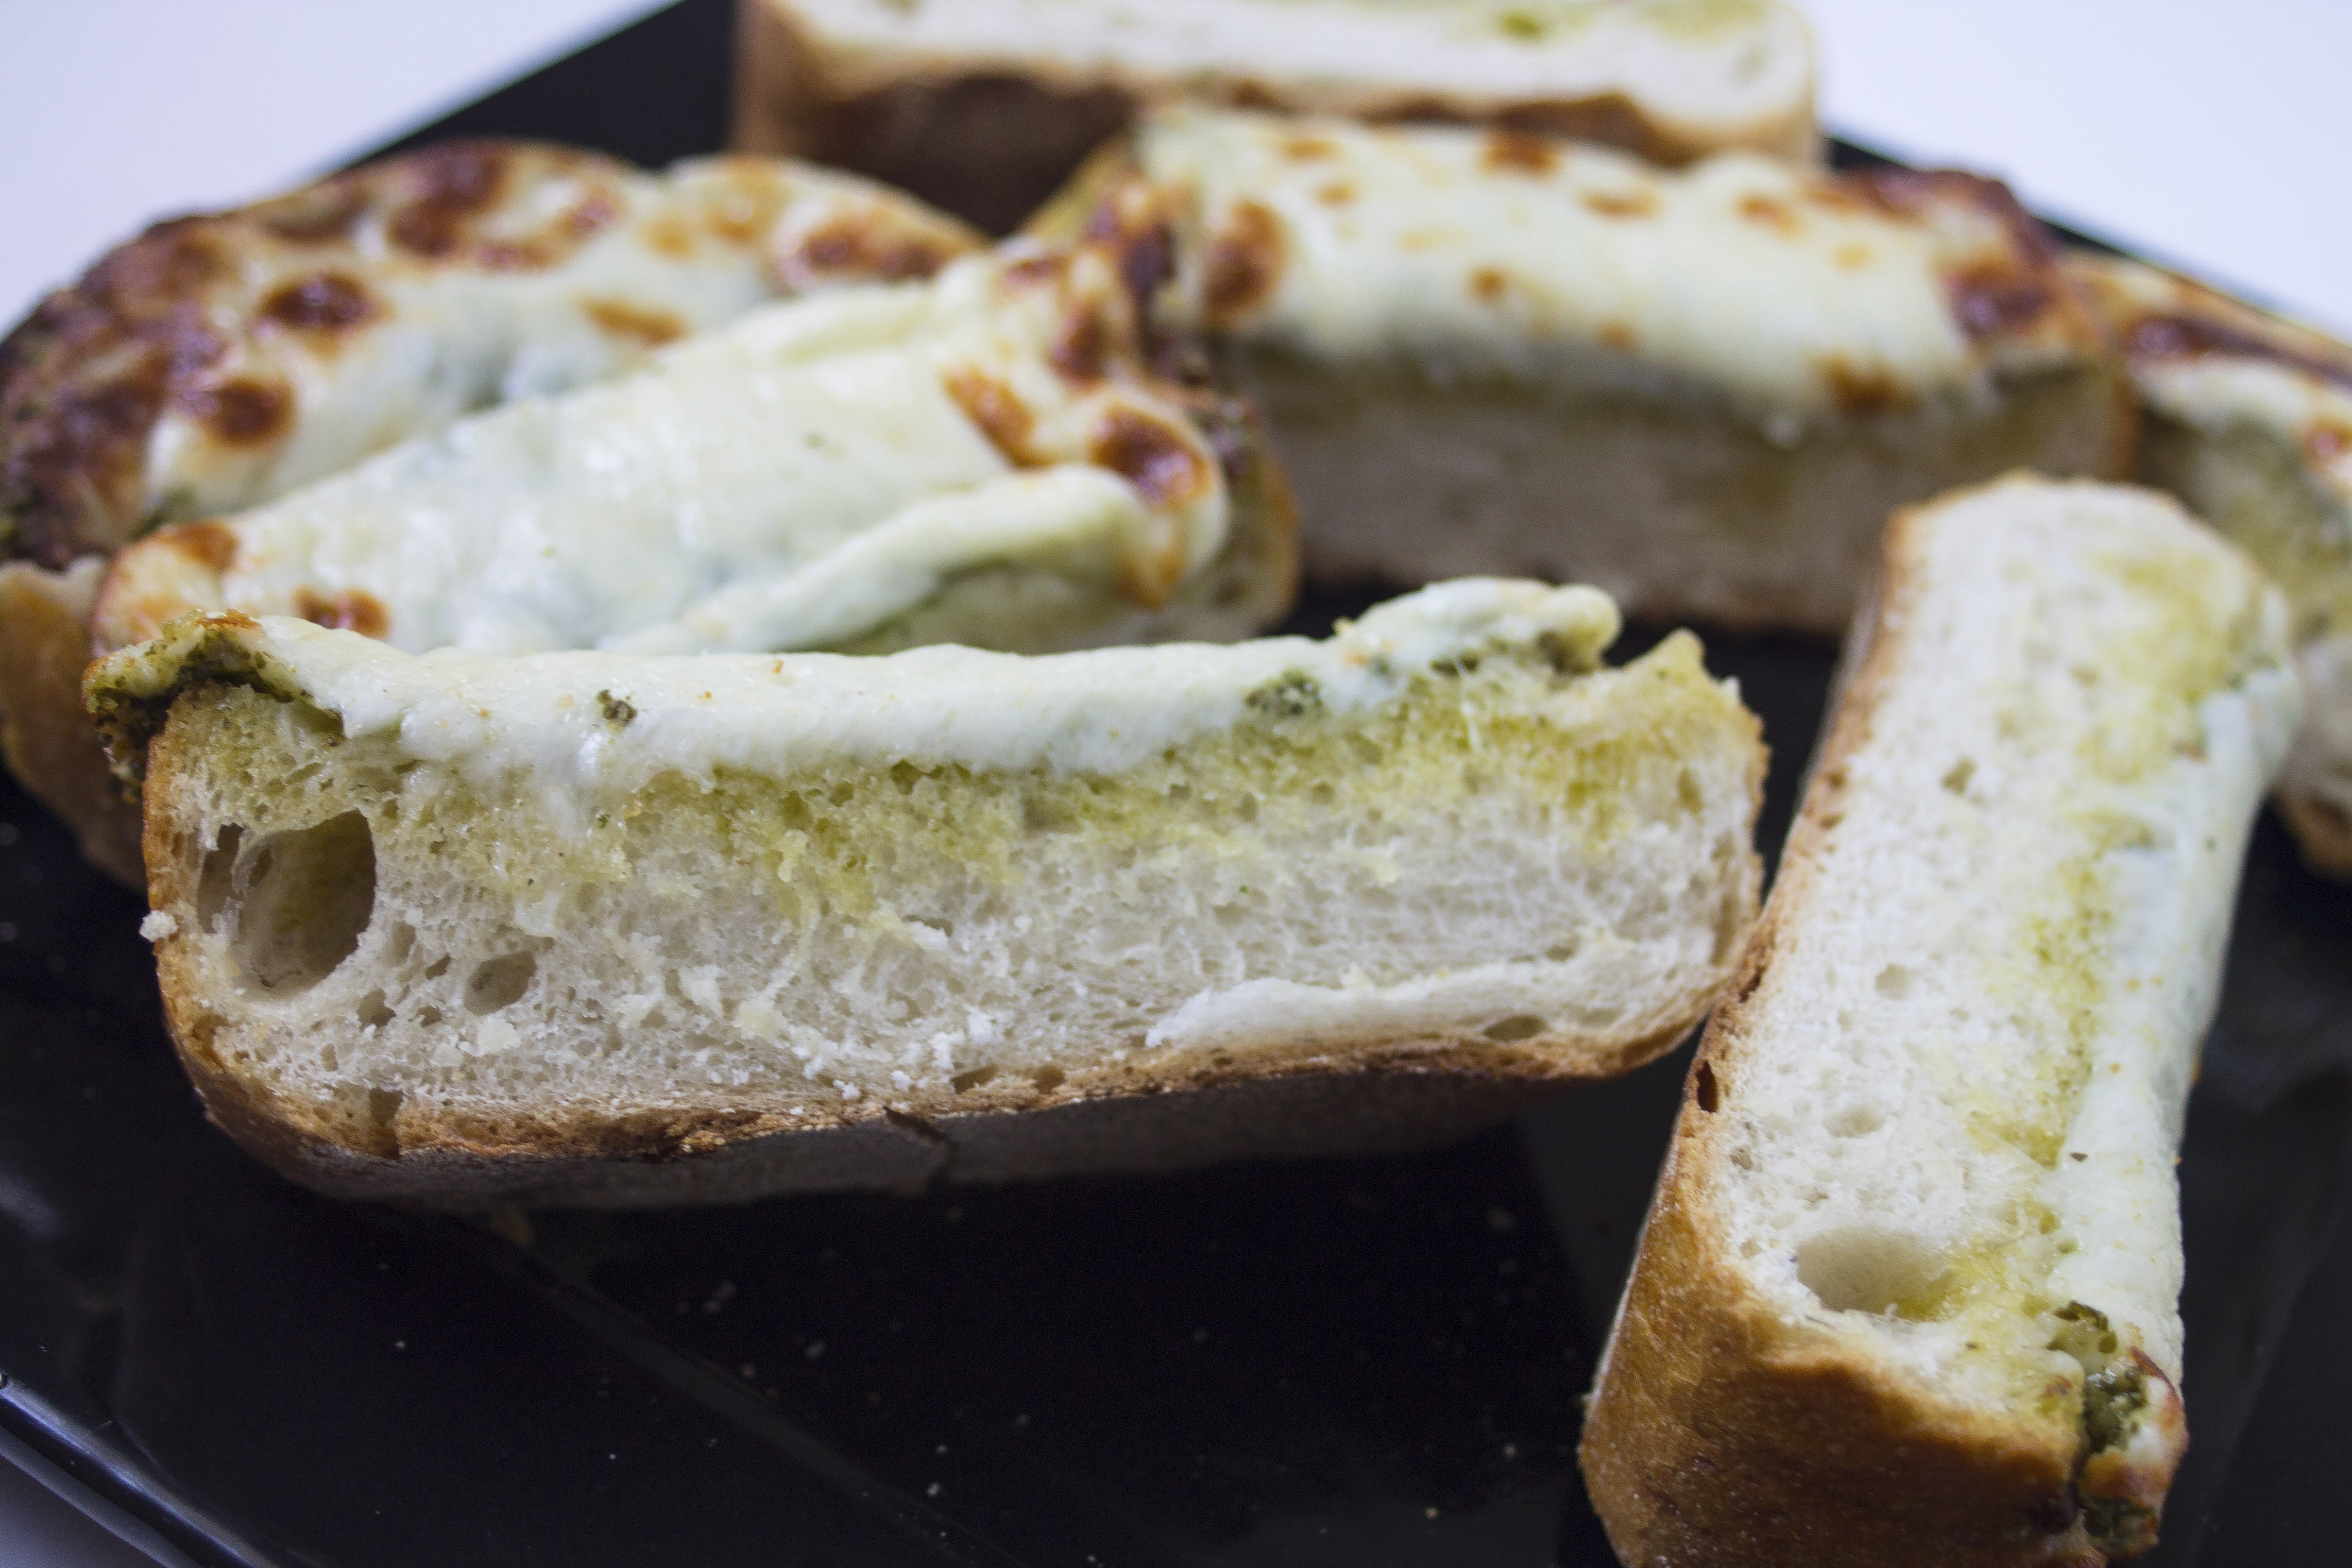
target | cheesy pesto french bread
[
  {"x": 986, "y": 458},
  {"x": 985, "y": 106},
  {"x": 218, "y": 362},
  {"x": 1908, "y": 1292},
  {"x": 1702, "y": 389},
  {"x": 2248, "y": 419},
  {"x": 600, "y": 928}
]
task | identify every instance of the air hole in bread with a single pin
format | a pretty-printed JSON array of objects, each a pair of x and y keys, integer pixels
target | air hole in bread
[
  {"x": 1894, "y": 982},
  {"x": 372, "y": 1012},
  {"x": 1518, "y": 1026},
  {"x": 1869, "y": 1268},
  {"x": 973, "y": 1080},
  {"x": 1047, "y": 1078},
  {"x": 499, "y": 982},
  {"x": 437, "y": 968},
  {"x": 213, "y": 876},
  {"x": 1703, "y": 1087},
  {"x": 1853, "y": 1121},
  {"x": 1957, "y": 779},
  {"x": 302, "y": 900}
]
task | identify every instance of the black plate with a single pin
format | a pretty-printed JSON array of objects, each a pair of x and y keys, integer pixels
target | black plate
[{"x": 1358, "y": 1362}]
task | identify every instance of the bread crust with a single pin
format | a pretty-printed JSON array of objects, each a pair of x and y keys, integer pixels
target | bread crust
[
  {"x": 1716, "y": 1434},
  {"x": 46, "y": 740}
]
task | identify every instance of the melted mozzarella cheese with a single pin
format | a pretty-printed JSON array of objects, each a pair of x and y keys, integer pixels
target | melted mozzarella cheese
[
  {"x": 557, "y": 723},
  {"x": 1479, "y": 257},
  {"x": 678, "y": 252},
  {"x": 796, "y": 481}
]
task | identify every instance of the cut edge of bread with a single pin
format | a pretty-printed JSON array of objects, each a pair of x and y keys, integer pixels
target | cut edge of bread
[{"x": 1811, "y": 1448}]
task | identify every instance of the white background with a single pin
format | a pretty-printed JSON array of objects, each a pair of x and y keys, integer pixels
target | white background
[{"x": 2209, "y": 133}]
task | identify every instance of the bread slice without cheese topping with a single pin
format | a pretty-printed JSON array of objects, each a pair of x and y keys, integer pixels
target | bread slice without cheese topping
[
  {"x": 2248, "y": 419},
  {"x": 1908, "y": 1291},
  {"x": 984, "y": 106},
  {"x": 593, "y": 928},
  {"x": 1702, "y": 389}
]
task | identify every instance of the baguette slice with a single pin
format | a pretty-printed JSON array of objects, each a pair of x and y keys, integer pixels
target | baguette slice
[
  {"x": 1908, "y": 1291},
  {"x": 1701, "y": 390},
  {"x": 218, "y": 362},
  {"x": 985, "y": 106},
  {"x": 596, "y": 929},
  {"x": 2248, "y": 419}
]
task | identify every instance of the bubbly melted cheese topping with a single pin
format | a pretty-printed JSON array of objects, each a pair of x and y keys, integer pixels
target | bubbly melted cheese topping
[
  {"x": 1478, "y": 255},
  {"x": 410, "y": 341},
  {"x": 793, "y": 482},
  {"x": 1714, "y": 64},
  {"x": 588, "y": 725}
]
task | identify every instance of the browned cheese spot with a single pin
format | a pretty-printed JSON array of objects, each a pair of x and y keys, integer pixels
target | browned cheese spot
[
  {"x": 1861, "y": 389},
  {"x": 670, "y": 235},
  {"x": 1305, "y": 149},
  {"x": 1242, "y": 265},
  {"x": 1035, "y": 271},
  {"x": 650, "y": 327},
  {"x": 1082, "y": 349},
  {"x": 1609, "y": 117},
  {"x": 1158, "y": 461},
  {"x": 2326, "y": 441},
  {"x": 241, "y": 411},
  {"x": 1615, "y": 335},
  {"x": 327, "y": 302},
  {"x": 536, "y": 254},
  {"x": 746, "y": 211},
  {"x": 1246, "y": 92},
  {"x": 1620, "y": 203},
  {"x": 1772, "y": 214},
  {"x": 351, "y": 610},
  {"x": 861, "y": 246},
  {"x": 323, "y": 214},
  {"x": 1488, "y": 284},
  {"x": 1516, "y": 152},
  {"x": 997, "y": 410},
  {"x": 591, "y": 214},
  {"x": 1337, "y": 194},
  {"x": 1853, "y": 257},
  {"x": 210, "y": 543},
  {"x": 1993, "y": 298},
  {"x": 457, "y": 179}
]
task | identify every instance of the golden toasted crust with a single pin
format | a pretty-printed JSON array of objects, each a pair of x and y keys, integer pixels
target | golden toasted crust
[
  {"x": 1717, "y": 1434},
  {"x": 45, "y": 737}
]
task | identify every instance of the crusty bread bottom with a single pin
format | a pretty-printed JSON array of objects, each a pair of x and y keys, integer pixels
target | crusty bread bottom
[
  {"x": 46, "y": 738},
  {"x": 1676, "y": 510}
]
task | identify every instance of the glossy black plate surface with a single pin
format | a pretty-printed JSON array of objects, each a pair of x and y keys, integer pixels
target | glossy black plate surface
[{"x": 1355, "y": 1363}]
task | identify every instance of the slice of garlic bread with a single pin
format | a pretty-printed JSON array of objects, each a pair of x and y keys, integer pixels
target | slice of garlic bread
[
  {"x": 1908, "y": 1291},
  {"x": 984, "y": 106},
  {"x": 1702, "y": 389},
  {"x": 609, "y": 929},
  {"x": 2248, "y": 419}
]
